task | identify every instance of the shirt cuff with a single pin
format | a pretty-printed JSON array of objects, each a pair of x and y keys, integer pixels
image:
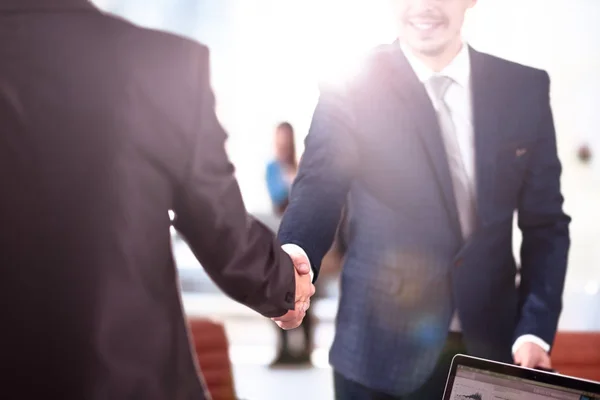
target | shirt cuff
[
  {"x": 530, "y": 339},
  {"x": 294, "y": 249}
]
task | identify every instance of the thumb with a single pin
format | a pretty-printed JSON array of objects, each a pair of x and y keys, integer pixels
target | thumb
[
  {"x": 518, "y": 358},
  {"x": 301, "y": 264},
  {"x": 527, "y": 361},
  {"x": 545, "y": 362}
]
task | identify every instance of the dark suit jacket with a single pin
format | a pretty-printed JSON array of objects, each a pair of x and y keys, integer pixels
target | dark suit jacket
[
  {"x": 105, "y": 127},
  {"x": 376, "y": 139}
]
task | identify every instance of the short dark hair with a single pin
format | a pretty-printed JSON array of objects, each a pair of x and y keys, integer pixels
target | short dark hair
[{"x": 290, "y": 158}]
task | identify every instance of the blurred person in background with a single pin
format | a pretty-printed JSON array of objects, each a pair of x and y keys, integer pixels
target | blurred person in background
[
  {"x": 433, "y": 146},
  {"x": 105, "y": 128},
  {"x": 279, "y": 175},
  {"x": 281, "y": 171}
]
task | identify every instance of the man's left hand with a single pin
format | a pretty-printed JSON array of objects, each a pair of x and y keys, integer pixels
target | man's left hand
[{"x": 530, "y": 355}]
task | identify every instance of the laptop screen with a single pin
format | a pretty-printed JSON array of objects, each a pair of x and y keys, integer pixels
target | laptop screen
[{"x": 476, "y": 384}]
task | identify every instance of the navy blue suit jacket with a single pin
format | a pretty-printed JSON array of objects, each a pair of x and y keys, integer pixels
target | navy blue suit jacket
[{"x": 375, "y": 142}]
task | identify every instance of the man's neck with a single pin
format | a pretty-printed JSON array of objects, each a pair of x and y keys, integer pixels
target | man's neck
[{"x": 440, "y": 61}]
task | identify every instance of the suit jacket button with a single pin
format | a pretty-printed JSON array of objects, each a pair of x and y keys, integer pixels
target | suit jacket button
[{"x": 458, "y": 262}]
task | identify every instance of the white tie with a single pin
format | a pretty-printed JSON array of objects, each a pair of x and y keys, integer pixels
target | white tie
[{"x": 463, "y": 194}]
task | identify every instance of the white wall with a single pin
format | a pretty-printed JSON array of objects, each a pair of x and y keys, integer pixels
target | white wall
[
  {"x": 267, "y": 55},
  {"x": 282, "y": 46}
]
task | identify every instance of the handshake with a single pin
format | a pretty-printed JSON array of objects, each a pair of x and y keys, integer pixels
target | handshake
[{"x": 304, "y": 291}]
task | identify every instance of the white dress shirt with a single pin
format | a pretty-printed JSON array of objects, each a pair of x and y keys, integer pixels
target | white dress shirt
[{"x": 459, "y": 101}]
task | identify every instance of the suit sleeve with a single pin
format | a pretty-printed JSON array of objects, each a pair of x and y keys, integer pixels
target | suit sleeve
[
  {"x": 326, "y": 171},
  {"x": 239, "y": 253},
  {"x": 545, "y": 229}
]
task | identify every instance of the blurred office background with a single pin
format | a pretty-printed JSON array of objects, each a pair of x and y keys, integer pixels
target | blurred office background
[{"x": 267, "y": 58}]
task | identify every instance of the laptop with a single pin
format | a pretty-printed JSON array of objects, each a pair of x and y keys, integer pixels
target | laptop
[{"x": 473, "y": 378}]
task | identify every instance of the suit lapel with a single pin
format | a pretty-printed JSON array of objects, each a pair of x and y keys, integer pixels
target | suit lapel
[
  {"x": 488, "y": 106},
  {"x": 419, "y": 109}
]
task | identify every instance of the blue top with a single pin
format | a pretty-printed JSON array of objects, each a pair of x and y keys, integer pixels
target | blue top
[{"x": 279, "y": 188}]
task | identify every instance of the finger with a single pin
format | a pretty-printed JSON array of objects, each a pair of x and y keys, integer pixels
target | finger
[
  {"x": 291, "y": 324},
  {"x": 283, "y": 325},
  {"x": 528, "y": 362},
  {"x": 306, "y": 292},
  {"x": 292, "y": 315},
  {"x": 301, "y": 264},
  {"x": 303, "y": 306},
  {"x": 545, "y": 362},
  {"x": 289, "y": 316},
  {"x": 303, "y": 294},
  {"x": 518, "y": 358}
]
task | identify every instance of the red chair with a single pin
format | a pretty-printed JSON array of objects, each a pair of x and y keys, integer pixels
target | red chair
[
  {"x": 577, "y": 354},
  {"x": 212, "y": 350}
]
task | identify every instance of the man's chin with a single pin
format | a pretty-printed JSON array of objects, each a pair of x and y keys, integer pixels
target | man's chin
[{"x": 429, "y": 49}]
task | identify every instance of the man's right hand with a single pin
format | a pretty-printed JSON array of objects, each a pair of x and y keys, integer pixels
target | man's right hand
[{"x": 304, "y": 291}]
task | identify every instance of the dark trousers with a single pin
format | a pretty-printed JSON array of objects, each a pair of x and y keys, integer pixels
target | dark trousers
[{"x": 432, "y": 389}]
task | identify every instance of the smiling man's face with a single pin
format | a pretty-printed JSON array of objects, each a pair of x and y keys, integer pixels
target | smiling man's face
[{"x": 430, "y": 27}]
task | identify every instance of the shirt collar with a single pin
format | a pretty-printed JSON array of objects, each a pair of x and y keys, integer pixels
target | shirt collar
[{"x": 459, "y": 70}]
